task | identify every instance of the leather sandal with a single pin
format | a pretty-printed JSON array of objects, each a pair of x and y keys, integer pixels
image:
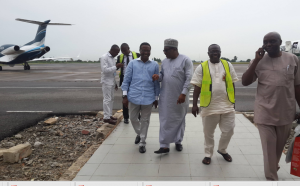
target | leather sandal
[
  {"x": 206, "y": 161},
  {"x": 226, "y": 156}
]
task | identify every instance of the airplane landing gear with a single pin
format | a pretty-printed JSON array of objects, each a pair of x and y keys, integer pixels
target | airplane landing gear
[
  {"x": 0, "y": 68},
  {"x": 26, "y": 66}
]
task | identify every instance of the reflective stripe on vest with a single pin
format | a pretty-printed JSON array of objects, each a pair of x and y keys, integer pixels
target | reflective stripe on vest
[
  {"x": 206, "y": 87},
  {"x": 122, "y": 57}
]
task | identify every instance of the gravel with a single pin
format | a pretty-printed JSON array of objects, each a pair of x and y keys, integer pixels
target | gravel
[{"x": 55, "y": 148}]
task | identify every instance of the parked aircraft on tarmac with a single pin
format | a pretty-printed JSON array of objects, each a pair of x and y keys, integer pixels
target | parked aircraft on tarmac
[
  {"x": 291, "y": 47},
  {"x": 13, "y": 54}
]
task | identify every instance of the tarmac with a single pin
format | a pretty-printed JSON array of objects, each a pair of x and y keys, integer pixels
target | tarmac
[
  {"x": 118, "y": 158},
  {"x": 29, "y": 96}
]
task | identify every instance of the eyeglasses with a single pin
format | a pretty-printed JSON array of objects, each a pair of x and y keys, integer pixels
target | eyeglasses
[{"x": 166, "y": 50}]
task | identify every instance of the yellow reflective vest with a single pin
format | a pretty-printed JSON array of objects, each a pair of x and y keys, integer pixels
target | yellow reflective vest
[
  {"x": 134, "y": 56},
  {"x": 206, "y": 87}
]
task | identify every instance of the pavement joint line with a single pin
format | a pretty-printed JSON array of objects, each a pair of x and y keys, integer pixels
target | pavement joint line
[{"x": 29, "y": 111}]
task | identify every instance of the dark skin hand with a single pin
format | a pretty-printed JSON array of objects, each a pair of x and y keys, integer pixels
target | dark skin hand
[
  {"x": 247, "y": 77},
  {"x": 155, "y": 77},
  {"x": 155, "y": 103},
  {"x": 119, "y": 65},
  {"x": 195, "y": 108},
  {"x": 181, "y": 99}
]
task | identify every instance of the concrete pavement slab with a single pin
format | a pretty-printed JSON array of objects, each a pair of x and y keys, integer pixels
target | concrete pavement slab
[{"x": 118, "y": 158}]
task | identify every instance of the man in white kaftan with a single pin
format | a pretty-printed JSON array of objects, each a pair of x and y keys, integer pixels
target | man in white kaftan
[{"x": 175, "y": 76}]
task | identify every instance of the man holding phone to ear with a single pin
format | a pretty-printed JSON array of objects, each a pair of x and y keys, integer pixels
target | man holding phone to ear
[{"x": 278, "y": 89}]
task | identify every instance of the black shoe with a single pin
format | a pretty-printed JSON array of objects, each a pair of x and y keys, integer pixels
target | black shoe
[
  {"x": 179, "y": 147},
  {"x": 162, "y": 150},
  {"x": 137, "y": 139},
  {"x": 142, "y": 149},
  {"x": 126, "y": 121}
]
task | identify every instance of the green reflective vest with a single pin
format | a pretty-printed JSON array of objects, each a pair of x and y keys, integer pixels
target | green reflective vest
[
  {"x": 206, "y": 87},
  {"x": 134, "y": 56}
]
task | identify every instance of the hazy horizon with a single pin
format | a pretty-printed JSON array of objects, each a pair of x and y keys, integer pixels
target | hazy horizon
[{"x": 238, "y": 27}]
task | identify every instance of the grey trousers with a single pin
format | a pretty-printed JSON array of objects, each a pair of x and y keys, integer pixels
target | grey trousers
[
  {"x": 140, "y": 126},
  {"x": 108, "y": 100},
  {"x": 273, "y": 139}
]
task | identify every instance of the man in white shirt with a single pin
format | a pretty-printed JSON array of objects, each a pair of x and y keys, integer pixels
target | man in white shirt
[
  {"x": 216, "y": 100},
  {"x": 108, "y": 81}
]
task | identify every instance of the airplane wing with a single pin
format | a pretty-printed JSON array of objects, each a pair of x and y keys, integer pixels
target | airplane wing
[
  {"x": 50, "y": 58},
  {"x": 29, "y": 21},
  {"x": 39, "y": 22}
]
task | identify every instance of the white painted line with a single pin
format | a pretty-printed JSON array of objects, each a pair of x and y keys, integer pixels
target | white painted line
[
  {"x": 29, "y": 111},
  {"x": 86, "y": 79}
]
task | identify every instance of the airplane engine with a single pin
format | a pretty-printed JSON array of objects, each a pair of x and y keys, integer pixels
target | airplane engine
[
  {"x": 43, "y": 51},
  {"x": 11, "y": 50},
  {"x": 47, "y": 49}
]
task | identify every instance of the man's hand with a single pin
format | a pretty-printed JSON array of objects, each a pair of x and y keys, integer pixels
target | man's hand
[
  {"x": 119, "y": 65},
  {"x": 195, "y": 110},
  {"x": 116, "y": 87},
  {"x": 155, "y": 77},
  {"x": 259, "y": 54},
  {"x": 155, "y": 103},
  {"x": 125, "y": 102},
  {"x": 181, "y": 99},
  {"x": 297, "y": 116}
]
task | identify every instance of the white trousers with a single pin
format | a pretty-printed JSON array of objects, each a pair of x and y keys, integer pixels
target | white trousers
[
  {"x": 140, "y": 126},
  {"x": 226, "y": 123},
  {"x": 108, "y": 100}
]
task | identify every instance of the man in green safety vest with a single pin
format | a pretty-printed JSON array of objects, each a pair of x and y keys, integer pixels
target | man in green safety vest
[
  {"x": 125, "y": 58},
  {"x": 214, "y": 82}
]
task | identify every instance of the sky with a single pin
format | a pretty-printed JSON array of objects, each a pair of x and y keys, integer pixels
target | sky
[{"x": 238, "y": 26}]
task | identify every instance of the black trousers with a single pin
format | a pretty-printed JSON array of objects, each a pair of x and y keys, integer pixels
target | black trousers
[{"x": 125, "y": 110}]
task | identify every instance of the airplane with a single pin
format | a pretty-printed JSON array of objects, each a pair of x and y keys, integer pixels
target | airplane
[
  {"x": 14, "y": 54},
  {"x": 52, "y": 58},
  {"x": 292, "y": 47}
]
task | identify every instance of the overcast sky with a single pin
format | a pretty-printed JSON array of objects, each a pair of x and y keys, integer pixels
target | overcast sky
[{"x": 238, "y": 26}]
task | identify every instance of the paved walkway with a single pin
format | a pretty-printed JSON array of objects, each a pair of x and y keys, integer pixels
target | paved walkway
[{"x": 118, "y": 157}]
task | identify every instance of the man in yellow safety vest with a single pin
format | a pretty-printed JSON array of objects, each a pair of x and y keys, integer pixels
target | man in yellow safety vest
[
  {"x": 125, "y": 58},
  {"x": 214, "y": 82}
]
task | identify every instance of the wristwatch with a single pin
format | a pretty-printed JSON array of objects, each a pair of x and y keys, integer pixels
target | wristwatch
[{"x": 124, "y": 96}]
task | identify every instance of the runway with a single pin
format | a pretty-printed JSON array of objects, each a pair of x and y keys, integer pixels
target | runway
[{"x": 54, "y": 89}]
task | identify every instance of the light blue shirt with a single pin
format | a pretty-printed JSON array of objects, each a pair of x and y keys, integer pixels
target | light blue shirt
[{"x": 138, "y": 84}]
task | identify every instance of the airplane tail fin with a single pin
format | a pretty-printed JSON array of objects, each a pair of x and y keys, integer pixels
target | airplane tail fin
[{"x": 39, "y": 39}]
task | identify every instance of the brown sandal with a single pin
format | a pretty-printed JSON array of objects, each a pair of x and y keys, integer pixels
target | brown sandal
[
  {"x": 226, "y": 156},
  {"x": 206, "y": 161}
]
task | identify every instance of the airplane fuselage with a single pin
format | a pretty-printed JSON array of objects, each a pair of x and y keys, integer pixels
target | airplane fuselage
[{"x": 25, "y": 53}]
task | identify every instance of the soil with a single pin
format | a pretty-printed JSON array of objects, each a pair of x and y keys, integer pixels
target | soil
[{"x": 55, "y": 148}]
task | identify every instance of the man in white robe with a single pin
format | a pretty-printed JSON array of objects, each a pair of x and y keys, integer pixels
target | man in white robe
[{"x": 175, "y": 76}]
